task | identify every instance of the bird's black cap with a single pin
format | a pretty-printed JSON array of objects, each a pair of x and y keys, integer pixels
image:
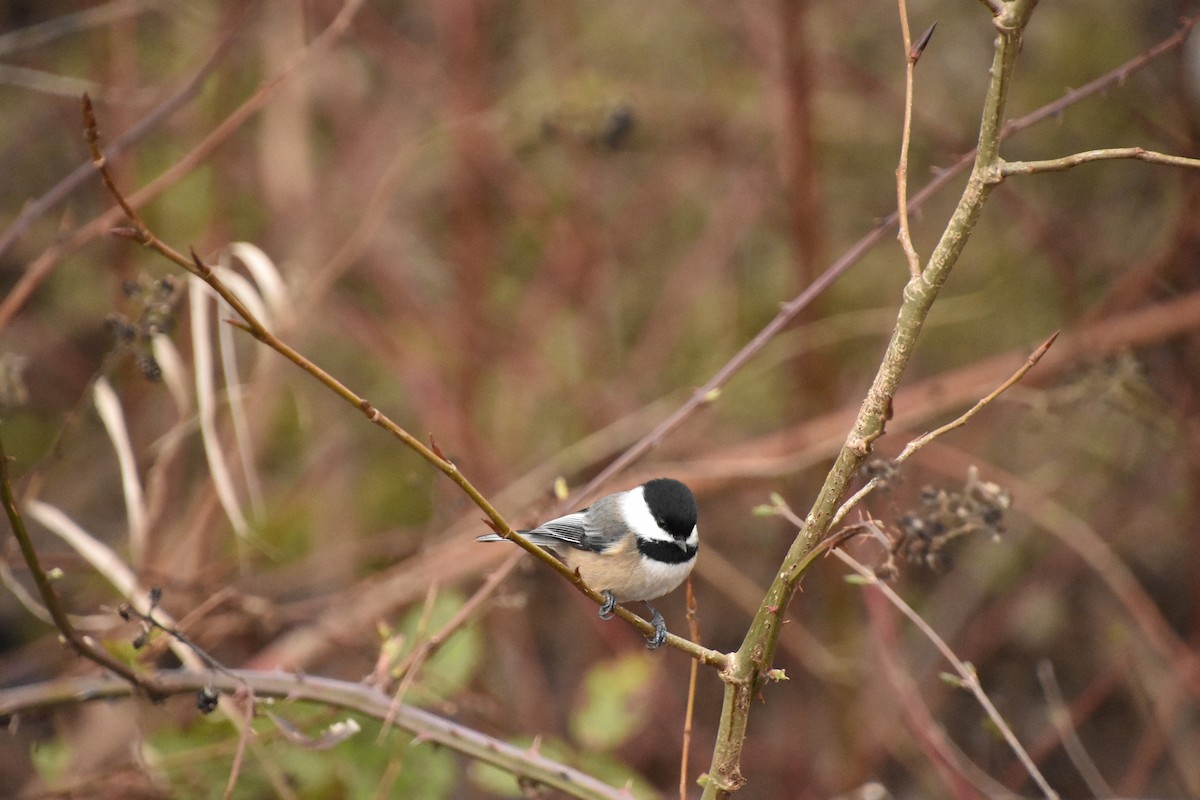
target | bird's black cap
[{"x": 672, "y": 506}]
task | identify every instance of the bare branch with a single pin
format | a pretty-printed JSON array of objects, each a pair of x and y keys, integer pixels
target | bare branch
[
  {"x": 80, "y": 644},
  {"x": 1088, "y": 156},
  {"x": 967, "y": 676},
  {"x": 913, "y": 53},
  {"x": 788, "y": 312},
  {"x": 916, "y": 444},
  {"x": 250, "y": 323},
  {"x": 1060, "y": 717},
  {"x": 749, "y": 667},
  {"x": 357, "y": 697}
]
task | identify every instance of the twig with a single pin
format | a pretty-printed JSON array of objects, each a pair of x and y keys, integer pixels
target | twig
[
  {"x": 1030, "y": 363},
  {"x": 150, "y": 622},
  {"x": 192, "y": 655},
  {"x": 749, "y": 668},
  {"x": 1110, "y": 78},
  {"x": 925, "y": 438},
  {"x": 1060, "y": 718},
  {"x": 79, "y": 644},
  {"x": 951, "y": 763},
  {"x": 967, "y": 676},
  {"x": 249, "y": 322},
  {"x": 34, "y": 210},
  {"x": 788, "y": 312},
  {"x": 41, "y": 267},
  {"x": 239, "y": 754},
  {"x": 67, "y": 24},
  {"x": 409, "y": 668},
  {"x": 1088, "y": 156},
  {"x": 912, "y": 55},
  {"x": 1093, "y": 550},
  {"x": 685, "y": 750},
  {"x": 357, "y": 697}
]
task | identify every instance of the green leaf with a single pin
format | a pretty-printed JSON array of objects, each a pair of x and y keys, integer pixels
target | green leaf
[
  {"x": 50, "y": 759},
  {"x": 614, "y": 705}
]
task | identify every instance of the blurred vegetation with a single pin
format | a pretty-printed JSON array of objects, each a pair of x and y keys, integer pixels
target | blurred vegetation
[{"x": 532, "y": 229}]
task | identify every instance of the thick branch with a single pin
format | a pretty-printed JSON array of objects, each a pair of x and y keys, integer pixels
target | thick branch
[
  {"x": 356, "y": 697},
  {"x": 749, "y": 667}
]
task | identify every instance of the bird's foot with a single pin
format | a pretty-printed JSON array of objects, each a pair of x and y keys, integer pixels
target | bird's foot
[
  {"x": 660, "y": 628},
  {"x": 610, "y": 602}
]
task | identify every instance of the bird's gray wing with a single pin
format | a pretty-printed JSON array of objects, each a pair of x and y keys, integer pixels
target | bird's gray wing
[
  {"x": 604, "y": 526},
  {"x": 570, "y": 530}
]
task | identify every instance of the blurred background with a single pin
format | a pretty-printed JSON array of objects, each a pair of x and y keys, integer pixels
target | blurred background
[{"x": 531, "y": 230}]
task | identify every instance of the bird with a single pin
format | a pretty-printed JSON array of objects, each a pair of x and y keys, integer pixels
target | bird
[{"x": 632, "y": 546}]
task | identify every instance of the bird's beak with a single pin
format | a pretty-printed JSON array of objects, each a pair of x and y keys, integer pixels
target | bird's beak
[{"x": 682, "y": 544}]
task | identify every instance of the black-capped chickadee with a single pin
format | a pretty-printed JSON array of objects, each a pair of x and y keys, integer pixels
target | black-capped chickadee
[{"x": 632, "y": 546}]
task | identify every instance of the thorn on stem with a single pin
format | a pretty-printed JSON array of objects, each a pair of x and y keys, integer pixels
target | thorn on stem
[
  {"x": 914, "y": 53},
  {"x": 202, "y": 269},
  {"x": 437, "y": 451}
]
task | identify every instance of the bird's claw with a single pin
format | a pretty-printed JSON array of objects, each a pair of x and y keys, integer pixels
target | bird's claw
[
  {"x": 660, "y": 629},
  {"x": 610, "y": 603},
  {"x": 656, "y": 619}
]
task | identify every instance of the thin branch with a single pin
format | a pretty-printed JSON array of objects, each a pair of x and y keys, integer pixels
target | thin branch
[
  {"x": 58, "y": 27},
  {"x": 967, "y": 676},
  {"x": 41, "y": 267},
  {"x": 788, "y": 312},
  {"x": 929, "y": 733},
  {"x": 369, "y": 701},
  {"x": 239, "y": 754},
  {"x": 35, "y": 209},
  {"x": 925, "y": 438},
  {"x": 1060, "y": 718},
  {"x": 1111, "y": 78},
  {"x": 80, "y": 644},
  {"x": 912, "y": 55},
  {"x": 1088, "y": 156},
  {"x": 409, "y": 668},
  {"x": 249, "y": 322},
  {"x": 1030, "y": 363},
  {"x": 1080, "y": 537},
  {"x": 686, "y": 749},
  {"x": 750, "y": 666}
]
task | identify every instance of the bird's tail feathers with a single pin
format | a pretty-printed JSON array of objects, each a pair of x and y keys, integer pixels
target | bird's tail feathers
[{"x": 540, "y": 539}]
